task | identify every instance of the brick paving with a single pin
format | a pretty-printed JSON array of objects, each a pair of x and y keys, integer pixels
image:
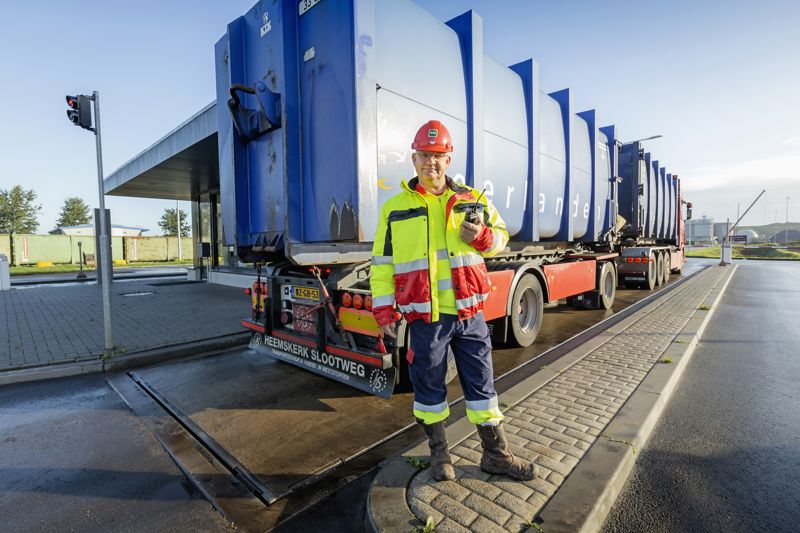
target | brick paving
[
  {"x": 556, "y": 424},
  {"x": 56, "y": 324}
]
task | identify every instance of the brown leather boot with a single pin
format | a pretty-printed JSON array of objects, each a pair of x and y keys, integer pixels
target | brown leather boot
[
  {"x": 498, "y": 459},
  {"x": 441, "y": 464}
]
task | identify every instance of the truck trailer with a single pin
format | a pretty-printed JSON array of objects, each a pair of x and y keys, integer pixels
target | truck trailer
[
  {"x": 651, "y": 236},
  {"x": 318, "y": 101}
]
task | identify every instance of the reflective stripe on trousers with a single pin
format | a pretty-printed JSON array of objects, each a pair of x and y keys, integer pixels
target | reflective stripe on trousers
[{"x": 472, "y": 349}]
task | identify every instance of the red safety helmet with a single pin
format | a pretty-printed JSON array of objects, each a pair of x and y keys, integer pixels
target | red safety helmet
[{"x": 433, "y": 137}]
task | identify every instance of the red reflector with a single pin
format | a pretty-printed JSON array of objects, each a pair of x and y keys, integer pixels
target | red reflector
[
  {"x": 358, "y": 301},
  {"x": 347, "y": 299},
  {"x": 637, "y": 260},
  {"x": 248, "y": 292},
  {"x": 368, "y": 302},
  {"x": 328, "y": 271},
  {"x": 285, "y": 317},
  {"x": 630, "y": 260},
  {"x": 644, "y": 260}
]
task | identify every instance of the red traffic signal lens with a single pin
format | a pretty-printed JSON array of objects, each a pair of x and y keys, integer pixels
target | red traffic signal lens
[{"x": 72, "y": 102}]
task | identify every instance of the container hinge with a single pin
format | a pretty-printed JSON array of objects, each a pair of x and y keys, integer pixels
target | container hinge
[{"x": 250, "y": 123}]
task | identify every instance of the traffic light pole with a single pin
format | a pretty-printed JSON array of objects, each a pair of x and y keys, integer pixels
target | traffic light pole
[{"x": 105, "y": 259}]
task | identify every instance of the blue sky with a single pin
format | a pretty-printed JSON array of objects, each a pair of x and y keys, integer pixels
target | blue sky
[{"x": 720, "y": 80}]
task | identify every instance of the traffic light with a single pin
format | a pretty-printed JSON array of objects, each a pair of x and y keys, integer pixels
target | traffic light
[{"x": 80, "y": 112}]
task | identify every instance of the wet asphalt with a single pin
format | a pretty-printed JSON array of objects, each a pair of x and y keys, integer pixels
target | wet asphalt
[
  {"x": 725, "y": 455},
  {"x": 73, "y": 457}
]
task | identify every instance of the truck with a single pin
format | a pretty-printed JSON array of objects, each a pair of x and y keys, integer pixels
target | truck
[
  {"x": 652, "y": 237},
  {"x": 318, "y": 101}
]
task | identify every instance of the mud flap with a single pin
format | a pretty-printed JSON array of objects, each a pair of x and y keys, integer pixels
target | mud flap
[{"x": 373, "y": 380}]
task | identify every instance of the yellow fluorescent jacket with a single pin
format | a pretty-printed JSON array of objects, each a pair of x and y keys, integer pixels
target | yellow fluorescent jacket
[{"x": 406, "y": 263}]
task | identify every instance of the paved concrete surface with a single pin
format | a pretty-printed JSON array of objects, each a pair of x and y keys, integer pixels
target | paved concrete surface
[
  {"x": 74, "y": 458},
  {"x": 63, "y": 324},
  {"x": 725, "y": 456},
  {"x": 553, "y": 419}
]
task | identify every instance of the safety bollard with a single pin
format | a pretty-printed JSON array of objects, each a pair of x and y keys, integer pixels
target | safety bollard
[{"x": 5, "y": 273}]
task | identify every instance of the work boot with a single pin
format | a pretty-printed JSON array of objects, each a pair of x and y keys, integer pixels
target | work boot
[
  {"x": 498, "y": 459},
  {"x": 441, "y": 464}
]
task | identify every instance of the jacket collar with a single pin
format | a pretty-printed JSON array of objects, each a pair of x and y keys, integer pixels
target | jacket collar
[{"x": 411, "y": 186}]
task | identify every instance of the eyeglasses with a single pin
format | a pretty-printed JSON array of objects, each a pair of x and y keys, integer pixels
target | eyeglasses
[{"x": 432, "y": 155}]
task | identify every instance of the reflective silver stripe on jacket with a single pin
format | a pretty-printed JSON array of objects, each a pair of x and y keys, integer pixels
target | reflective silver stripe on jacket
[
  {"x": 424, "y": 307},
  {"x": 380, "y": 301},
  {"x": 469, "y": 301},
  {"x": 483, "y": 405},
  {"x": 438, "y": 408},
  {"x": 468, "y": 259},
  {"x": 441, "y": 253},
  {"x": 497, "y": 241},
  {"x": 445, "y": 284},
  {"x": 381, "y": 259},
  {"x": 411, "y": 266}
]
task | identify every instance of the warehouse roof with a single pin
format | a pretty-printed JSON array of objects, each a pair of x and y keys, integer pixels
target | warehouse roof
[{"x": 177, "y": 166}]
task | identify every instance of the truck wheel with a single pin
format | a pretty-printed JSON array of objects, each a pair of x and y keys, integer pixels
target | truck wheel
[
  {"x": 667, "y": 266},
  {"x": 527, "y": 305},
  {"x": 659, "y": 269},
  {"x": 607, "y": 288},
  {"x": 650, "y": 275}
]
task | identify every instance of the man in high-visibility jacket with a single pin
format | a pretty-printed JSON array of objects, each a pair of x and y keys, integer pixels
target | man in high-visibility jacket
[{"x": 427, "y": 262}]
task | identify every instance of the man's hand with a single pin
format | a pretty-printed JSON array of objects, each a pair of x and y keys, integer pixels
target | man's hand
[
  {"x": 389, "y": 330},
  {"x": 469, "y": 231}
]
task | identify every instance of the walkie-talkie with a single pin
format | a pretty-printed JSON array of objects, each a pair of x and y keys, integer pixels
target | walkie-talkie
[{"x": 472, "y": 212}]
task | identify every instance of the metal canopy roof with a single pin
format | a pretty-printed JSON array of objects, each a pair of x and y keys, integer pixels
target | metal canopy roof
[{"x": 177, "y": 167}]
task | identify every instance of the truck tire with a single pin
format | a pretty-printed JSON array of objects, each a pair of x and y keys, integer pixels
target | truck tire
[
  {"x": 659, "y": 269},
  {"x": 650, "y": 274},
  {"x": 667, "y": 266},
  {"x": 527, "y": 307},
  {"x": 607, "y": 286}
]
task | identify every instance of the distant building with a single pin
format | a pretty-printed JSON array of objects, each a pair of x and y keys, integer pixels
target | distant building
[
  {"x": 752, "y": 235},
  {"x": 88, "y": 230},
  {"x": 721, "y": 229},
  {"x": 789, "y": 235},
  {"x": 700, "y": 230}
]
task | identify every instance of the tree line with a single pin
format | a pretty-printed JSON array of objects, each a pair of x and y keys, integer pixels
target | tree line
[{"x": 19, "y": 213}]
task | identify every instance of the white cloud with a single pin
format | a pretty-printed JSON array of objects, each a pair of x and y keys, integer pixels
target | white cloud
[
  {"x": 743, "y": 173},
  {"x": 792, "y": 141}
]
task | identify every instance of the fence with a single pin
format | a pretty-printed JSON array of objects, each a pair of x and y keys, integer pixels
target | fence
[{"x": 63, "y": 249}]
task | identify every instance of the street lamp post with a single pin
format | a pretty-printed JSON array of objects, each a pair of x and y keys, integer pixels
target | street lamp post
[
  {"x": 786, "y": 229},
  {"x": 105, "y": 241},
  {"x": 645, "y": 139}
]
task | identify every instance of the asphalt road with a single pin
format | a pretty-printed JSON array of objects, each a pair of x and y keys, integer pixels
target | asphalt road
[
  {"x": 725, "y": 455},
  {"x": 73, "y": 457}
]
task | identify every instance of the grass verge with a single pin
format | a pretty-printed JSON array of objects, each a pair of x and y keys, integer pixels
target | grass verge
[{"x": 780, "y": 254}]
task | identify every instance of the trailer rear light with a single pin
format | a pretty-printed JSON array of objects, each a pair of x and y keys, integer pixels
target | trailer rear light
[
  {"x": 248, "y": 291},
  {"x": 285, "y": 318},
  {"x": 637, "y": 260},
  {"x": 347, "y": 299},
  {"x": 630, "y": 260},
  {"x": 368, "y": 302},
  {"x": 644, "y": 260},
  {"x": 358, "y": 301}
]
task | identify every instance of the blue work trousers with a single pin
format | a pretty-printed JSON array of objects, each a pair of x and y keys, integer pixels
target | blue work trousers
[{"x": 472, "y": 348}]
